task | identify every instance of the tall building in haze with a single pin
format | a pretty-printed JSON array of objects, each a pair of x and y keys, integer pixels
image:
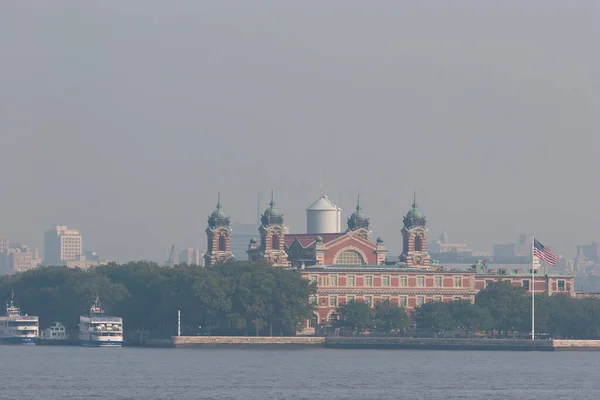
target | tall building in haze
[{"x": 61, "y": 245}]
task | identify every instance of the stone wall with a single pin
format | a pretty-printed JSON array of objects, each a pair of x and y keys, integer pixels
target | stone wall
[
  {"x": 237, "y": 341},
  {"x": 437, "y": 344},
  {"x": 378, "y": 343},
  {"x": 586, "y": 345}
]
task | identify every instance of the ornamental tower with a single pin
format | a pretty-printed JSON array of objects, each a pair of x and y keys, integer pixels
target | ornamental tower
[
  {"x": 359, "y": 221},
  {"x": 414, "y": 234},
  {"x": 218, "y": 235},
  {"x": 271, "y": 230}
]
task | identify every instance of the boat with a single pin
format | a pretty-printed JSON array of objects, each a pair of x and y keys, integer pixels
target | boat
[
  {"x": 16, "y": 328},
  {"x": 100, "y": 330},
  {"x": 55, "y": 332}
]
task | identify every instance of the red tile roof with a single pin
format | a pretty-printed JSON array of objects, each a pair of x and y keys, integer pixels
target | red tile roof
[{"x": 308, "y": 239}]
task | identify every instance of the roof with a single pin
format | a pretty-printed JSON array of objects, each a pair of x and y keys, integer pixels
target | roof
[
  {"x": 308, "y": 239},
  {"x": 324, "y": 203},
  {"x": 389, "y": 268}
]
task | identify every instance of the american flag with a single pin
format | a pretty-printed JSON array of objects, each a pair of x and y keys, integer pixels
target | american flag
[{"x": 544, "y": 253}]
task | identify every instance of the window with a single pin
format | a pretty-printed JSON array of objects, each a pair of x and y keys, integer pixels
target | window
[
  {"x": 438, "y": 281},
  {"x": 525, "y": 284},
  {"x": 351, "y": 281},
  {"x": 385, "y": 298},
  {"x": 457, "y": 298},
  {"x": 333, "y": 301},
  {"x": 403, "y": 281},
  {"x": 488, "y": 283},
  {"x": 385, "y": 281},
  {"x": 437, "y": 299},
  {"x": 313, "y": 278},
  {"x": 369, "y": 300},
  {"x": 418, "y": 243},
  {"x": 275, "y": 242},
  {"x": 368, "y": 281},
  {"x": 312, "y": 300},
  {"x": 457, "y": 281},
  {"x": 323, "y": 301},
  {"x": 420, "y": 300},
  {"x": 222, "y": 243},
  {"x": 312, "y": 322},
  {"x": 420, "y": 281},
  {"x": 561, "y": 286},
  {"x": 403, "y": 301},
  {"x": 351, "y": 298},
  {"x": 350, "y": 257},
  {"x": 332, "y": 318},
  {"x": 323, "y": 281},
  {"x": 333, "y": 281}
]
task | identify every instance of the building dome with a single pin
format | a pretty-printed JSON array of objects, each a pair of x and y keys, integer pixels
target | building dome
[
  {"x": 358, "y": 219},
  {"x": 414, "y": 217},
  {"x": 272, "y": 211},
  {"x": 218, "y": 216},
  {"x": 218, "y": 213},
  {"x": 414, "y": 213},
  {"x": 272, "y": 215}
]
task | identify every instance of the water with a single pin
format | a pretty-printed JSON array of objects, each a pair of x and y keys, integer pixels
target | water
[{"x": 48, "y": 372}]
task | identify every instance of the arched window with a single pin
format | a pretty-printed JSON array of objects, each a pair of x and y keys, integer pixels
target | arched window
[
  {"x": 275, "y": 242},
  {"x": 350, "y": 257},
  {"x": 222, "y": 243},
  {"x": 313, "y": 321},
  {"x": 405, "y": 244},
  {"x": 418, "y": 244}
]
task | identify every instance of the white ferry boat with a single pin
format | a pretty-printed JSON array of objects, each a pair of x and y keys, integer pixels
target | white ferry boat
[
  {"x": 16, "y": 328},
  {"x": 99, "y": 330},
  {"x": 56, "y": 331}
]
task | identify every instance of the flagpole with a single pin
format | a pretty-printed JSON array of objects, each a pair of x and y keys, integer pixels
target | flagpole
[{"x": 532, "y": 287}]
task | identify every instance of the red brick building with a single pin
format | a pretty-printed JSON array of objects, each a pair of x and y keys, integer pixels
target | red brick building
[
  {"x": 407, "y": 287},
  {"x": 410, "y": 287}
]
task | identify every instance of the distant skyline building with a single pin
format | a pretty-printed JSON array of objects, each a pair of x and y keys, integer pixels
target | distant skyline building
[
  {"x": 191, "y": 257},
  {"x": 16, "y": 257},
  {"x": 61, "y": 245},
  {"x": 4, "y": 243}
]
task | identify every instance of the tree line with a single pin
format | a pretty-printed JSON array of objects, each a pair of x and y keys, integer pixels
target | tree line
[
  {"x": 500, "y": 309},
  {"x": 232, "y": 298}
]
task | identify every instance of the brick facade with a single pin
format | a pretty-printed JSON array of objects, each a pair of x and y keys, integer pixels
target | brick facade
[{"x": 409, "y": 287}]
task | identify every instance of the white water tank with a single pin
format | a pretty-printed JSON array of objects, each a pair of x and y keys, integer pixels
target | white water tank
[{"x": 323, "y": 216}]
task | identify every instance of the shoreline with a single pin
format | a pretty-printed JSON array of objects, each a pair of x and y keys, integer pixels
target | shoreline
[
  {"x": 355, "y": 343},
  {"x": 379, "y": 343}
]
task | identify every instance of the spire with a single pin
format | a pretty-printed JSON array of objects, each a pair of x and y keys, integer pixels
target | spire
[
  {"x": 218, "y": 200},
  {"x": 358, "y": 203},
  {"x": 415, "y": 199},
  {"x": 272, "y": 203}
]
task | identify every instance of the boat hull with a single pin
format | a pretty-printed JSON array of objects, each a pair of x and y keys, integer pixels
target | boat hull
[
  {"x": 101, "y": 343},
  {"x": 18, "y": 340}
]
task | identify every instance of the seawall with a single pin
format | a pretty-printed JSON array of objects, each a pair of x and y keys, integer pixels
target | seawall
[
  {"x": 247, "y": 341},
  {"x": 366, "y": 342}
]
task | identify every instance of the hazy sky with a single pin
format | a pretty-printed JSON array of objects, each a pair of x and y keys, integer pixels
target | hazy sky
[{"x": 125, "y": 118}]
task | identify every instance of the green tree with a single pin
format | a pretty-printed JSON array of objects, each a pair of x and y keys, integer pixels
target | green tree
[
  {"x": 433, "y": 317},
  {"x": 507, "y": 304},
  {"x": 354, "y": 314},
  {"x": 389, "y": 317},
  {"x": 469, "y": 317}
]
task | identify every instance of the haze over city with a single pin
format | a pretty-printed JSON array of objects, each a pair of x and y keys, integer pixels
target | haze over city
[{"x": 125, "y": 119}]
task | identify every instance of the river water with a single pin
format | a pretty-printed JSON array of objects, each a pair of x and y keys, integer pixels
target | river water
[{"x": 48, "y": 372}]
